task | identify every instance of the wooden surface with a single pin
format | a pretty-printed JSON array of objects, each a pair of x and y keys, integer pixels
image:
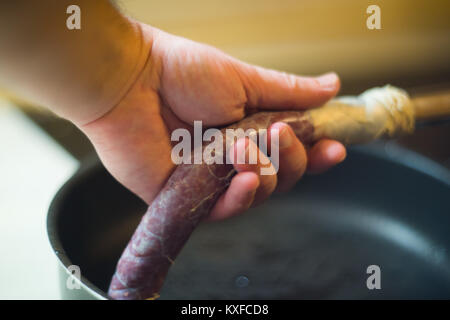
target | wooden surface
[
  {"x": 32, "y": 169},
  {"x": 314, "y": 36},
  {"x": 432, "y": 106}
]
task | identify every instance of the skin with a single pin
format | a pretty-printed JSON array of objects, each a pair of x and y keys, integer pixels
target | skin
[{"x": 148, "y": 84}]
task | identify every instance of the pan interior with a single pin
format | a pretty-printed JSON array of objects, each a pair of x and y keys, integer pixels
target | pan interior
[{"x": 316, "y": 241}]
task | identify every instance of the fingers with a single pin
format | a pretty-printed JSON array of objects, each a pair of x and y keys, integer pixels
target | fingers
[
  {"x": 257, "y": 178},
  {"x": 249, "y": 186},
  {"x": 269, "y": 89},
  {"x": 253, "y": 184},
  {"x": 248, "y": 158},
  {"x": 238, "y": 197},
  {"x": 292, "y": 156},
  {"x": 325, "y": 154}
]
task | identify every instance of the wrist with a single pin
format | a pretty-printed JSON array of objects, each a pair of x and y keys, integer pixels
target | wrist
[{"x": 118, "y": 68}]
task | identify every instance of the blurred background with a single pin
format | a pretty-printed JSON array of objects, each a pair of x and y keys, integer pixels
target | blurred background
[
  {"x": 412, "y": 49},
  {"x": 307, "y": 37}
]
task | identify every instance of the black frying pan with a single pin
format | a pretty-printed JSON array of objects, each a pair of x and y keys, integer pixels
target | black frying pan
[{"x": 315, "y": 242}]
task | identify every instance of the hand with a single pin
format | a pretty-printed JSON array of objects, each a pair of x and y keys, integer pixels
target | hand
[{"x": 184, "y": 81}]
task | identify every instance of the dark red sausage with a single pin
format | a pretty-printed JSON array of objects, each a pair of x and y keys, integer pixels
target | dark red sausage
[{"x": 187, "y": 197}]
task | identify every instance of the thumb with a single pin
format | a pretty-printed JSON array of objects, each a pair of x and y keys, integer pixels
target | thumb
[{"x": 270, "y": 89}]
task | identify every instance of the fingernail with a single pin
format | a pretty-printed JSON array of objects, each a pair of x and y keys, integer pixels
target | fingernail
[
  {"x": 338, "y": 152},
  {"x": 251, "y": 197},
  {"x": 328, "y": 81}
]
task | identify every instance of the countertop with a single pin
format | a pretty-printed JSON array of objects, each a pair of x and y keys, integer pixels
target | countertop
[{"x": 32, "y": 168}]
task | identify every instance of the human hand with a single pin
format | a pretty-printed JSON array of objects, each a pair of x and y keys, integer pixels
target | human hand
[{"x": 184, "y": 81}]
